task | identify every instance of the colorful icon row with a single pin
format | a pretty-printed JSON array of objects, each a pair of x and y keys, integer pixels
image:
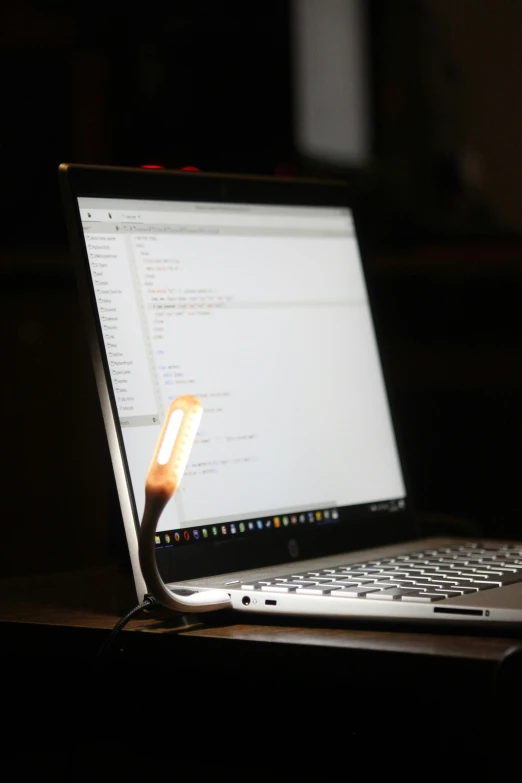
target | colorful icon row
[{"x": 232, "y": 528}]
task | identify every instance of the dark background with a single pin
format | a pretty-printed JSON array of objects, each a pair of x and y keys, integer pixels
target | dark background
[{"x": 210, "y": 85}]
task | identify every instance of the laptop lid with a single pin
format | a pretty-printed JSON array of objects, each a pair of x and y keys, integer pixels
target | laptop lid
[{"x": 249, "y": 293}]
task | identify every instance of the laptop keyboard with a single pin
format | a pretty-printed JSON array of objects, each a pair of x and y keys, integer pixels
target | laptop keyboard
[{"x": 424, "y": 577}]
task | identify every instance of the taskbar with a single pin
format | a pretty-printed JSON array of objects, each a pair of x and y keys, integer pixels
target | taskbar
[{"x": 259, "y": 525}]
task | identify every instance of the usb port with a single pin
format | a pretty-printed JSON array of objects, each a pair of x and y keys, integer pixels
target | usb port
[{"x": 270, "y": 602}]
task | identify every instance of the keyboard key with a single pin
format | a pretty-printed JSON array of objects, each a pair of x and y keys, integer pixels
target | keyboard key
[
  {"x": 460, "y": 582},
  {"x": 471, "y": 570},
  {"x": 464, "y": 590},
  {"x": 356, "y": 592},
  {"x": 392, "y": 594},
  {"x": 279, "y": 588},
  {"x": 357, "y": 574},
  {"x": 403, "y": 573},
  {"x": 493, "y": 581},
  {"x": 424, "y": 598},
  {"x": 383, "y": 584},
  {"x": 377, "y": 570},
  {"x": 504, "y": 572},
  {"x": 433, "y": 570},
  {"x": 318, "y": 589},
  {"x": 428, "y": 584}
]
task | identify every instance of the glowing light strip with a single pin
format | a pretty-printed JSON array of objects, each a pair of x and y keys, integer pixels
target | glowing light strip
[{"x": 170, "y": 437}]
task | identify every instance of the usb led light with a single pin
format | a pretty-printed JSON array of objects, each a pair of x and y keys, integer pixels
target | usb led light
[{"x": 163, "y": 479}]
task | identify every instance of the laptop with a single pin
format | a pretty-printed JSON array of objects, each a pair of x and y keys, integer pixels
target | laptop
[{"x": 250, "y": 294}]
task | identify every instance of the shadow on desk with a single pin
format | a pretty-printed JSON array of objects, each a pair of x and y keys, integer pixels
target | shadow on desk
[{"x": 259, "y": 718}]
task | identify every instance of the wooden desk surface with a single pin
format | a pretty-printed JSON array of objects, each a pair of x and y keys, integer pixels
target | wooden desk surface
[{"x": 96, "y": 599}]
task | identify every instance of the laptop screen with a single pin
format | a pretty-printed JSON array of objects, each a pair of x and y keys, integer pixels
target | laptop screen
[{"x": 261, "y": 312}]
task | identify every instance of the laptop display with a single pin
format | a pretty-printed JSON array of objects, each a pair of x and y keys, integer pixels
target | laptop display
[{"x": 262, "y": 313}]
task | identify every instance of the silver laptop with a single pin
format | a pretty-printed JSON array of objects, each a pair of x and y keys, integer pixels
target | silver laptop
[{"x": 250, "y": 293}]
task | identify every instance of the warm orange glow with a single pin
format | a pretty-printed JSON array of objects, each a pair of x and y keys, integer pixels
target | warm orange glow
[{"x": 174, "y": 446}]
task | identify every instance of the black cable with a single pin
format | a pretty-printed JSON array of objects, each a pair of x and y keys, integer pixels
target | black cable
[{"x": 148, "y": 601}]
